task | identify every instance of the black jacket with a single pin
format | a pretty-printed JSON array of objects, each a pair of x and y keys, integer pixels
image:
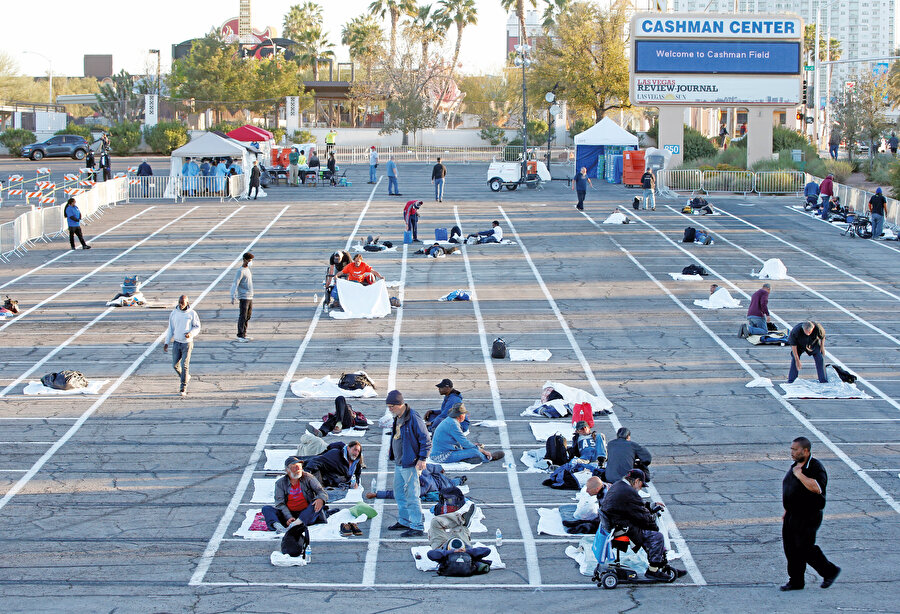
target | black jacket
[
  {"x": 620, "y": 457},
  {"x": 439, "y": 171},
  {"x": 623, "y": 506},
  {"x": 332, "y": 467}
]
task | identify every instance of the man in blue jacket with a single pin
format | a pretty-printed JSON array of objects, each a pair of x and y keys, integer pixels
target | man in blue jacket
[
  {"x": 410, "y": 446},
  {"x": 451, "y": 446},
  {"x": 73, "y": 219},
  {"x": 452, "y": 396}
]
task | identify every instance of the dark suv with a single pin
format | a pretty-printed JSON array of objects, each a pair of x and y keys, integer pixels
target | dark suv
[{"x": 57, "y": 146}]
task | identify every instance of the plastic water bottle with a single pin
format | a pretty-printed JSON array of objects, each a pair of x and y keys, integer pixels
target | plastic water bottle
[
  {"x": 374, "y": 484},
  {"x": 308, "y": 554},
  {"x": 353, "y": 482},
  {"x": 498, "y": 538},
  {"x": 315, "y": 298}
]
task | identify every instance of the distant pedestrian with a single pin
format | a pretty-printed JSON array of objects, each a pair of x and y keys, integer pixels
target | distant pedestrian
[
  {"x": 393, "y": 176},
  {"x": 242, "y": 289},
  {"x": 330, "y": 139},
  {"x": 106, "y": 165},
  {"x": 580, "y": 184},
  {"x": 723, "y": 136},
  {"x": 438, "y": 175},
  {"x": 184, "y": 325},
  {"x": 892, "y": 143},
  {"x": 144, "y": 171},
  {"x": 254, "y": 180},
  {"x": 91, "y": 163},
  {"x": 293, "y": 166},
  {"x": 73, "y": 219},
  {"x": 743, "y": 129},
  {"x": 104, "y": 142},
  {"x": 332, "y": 168},
  {"x": 803, "y": 497},
  {"x": 876, "y": 208},
  {"x": 410, "y": 446},
  {"x": 373, "y": 164},
  {"x": 834, "y": 143},
  {"x": 648, "y": 182}
]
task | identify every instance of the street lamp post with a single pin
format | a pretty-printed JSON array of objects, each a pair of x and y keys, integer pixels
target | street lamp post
[
  {"x": 523, "y": 60},
  {"x": 50, "y": 63},
  {"x": 552, "y": 109},
  {"x": 158, "y": 73}
]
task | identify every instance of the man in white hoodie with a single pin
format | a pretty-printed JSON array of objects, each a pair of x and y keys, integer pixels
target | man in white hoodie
[{"x": 184, "y": 325}]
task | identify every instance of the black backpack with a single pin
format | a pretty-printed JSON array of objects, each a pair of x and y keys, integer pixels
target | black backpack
[
  {"x": 636, "y": 203},
  {"x": 498, "y": 348},
  {"x": 557, "y": 452},
  {"x": 450, "y": 496},
  {"x": 690, "y": 233},
  {"x": 457, "y": 564},
  {"x": 354, "y": 381},
  {"x": 845, "y": 375},
  {"x": 694, "y": 269},
  {"x": 65, "y": 380},
  {"x": 295, "y": 539}
]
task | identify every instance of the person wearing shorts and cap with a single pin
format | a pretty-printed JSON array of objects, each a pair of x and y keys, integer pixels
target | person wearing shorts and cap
[{"x": 298, "y": 496}]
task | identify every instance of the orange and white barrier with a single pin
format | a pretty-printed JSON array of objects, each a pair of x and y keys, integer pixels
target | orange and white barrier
[
  {"x": 74, "y": 191},
  {"x": 45, "y": 185},
  {"x": 47, "y": 200}
]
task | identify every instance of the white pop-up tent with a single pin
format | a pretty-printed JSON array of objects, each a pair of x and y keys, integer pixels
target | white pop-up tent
[
  {"x": 591, "y": 144},
  {"x": 211, "y": 145}
]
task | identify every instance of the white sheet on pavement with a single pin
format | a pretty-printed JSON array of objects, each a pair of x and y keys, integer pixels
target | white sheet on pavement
[
  {"x": 616, "y": 217},
  {"x": 543, "y": 430},
  {"x": 720, "y": 299},
  {"x": 773, "y": 268},
  {"x": 93, "y": 387},
  {"x": 329, "y": 531},
  {"x": 326, "y": 388},
  {"x": 535, "y": 461},
  {"x": 683, "y": 277},
  {"x": 812, "y": 389},
  {"x": 759, "y": 382},
  {"x": 533, "y": 355},
  {"x": 359, "y": 301}
]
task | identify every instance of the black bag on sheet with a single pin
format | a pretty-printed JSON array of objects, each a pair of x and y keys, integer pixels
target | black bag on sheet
[
  {"x": 65, "y": 380},
  {"x": 690, "y": 233},
  {"x": 498, "y": 348},
  {"x": 556, "y": 451},
  {"x": 354, "y": 381},
  {"x": 694, "y": 269},
  {"x": 845, "y": 375},
  {"x": 295, "y": 539}
]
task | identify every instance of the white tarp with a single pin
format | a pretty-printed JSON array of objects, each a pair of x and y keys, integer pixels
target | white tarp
[
  {"x": 773, "y": 268},
  {"x": 606, "y": 132},
  {"x": 423, "y": 563},
  {"x": 834, "y": 388},
  {"x": 93, "y": 387},
  {"x": 574, "y": 395},
  {"x": 359, "y": 301},
  {"x": 720, "y": 299},
  {"x": 326, "y": 388},
  {"x": 616, "y": 217},
  {"x": 530, "y": 355}
]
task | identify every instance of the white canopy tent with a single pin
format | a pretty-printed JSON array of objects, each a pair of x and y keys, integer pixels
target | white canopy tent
[
  {"x": 210, "y": 145},
  {"x": 592, "y": 143}
]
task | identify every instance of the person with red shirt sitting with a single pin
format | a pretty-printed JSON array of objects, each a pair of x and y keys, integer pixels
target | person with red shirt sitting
[
  {"x": 360, "y": 272},
  {"x": 298, "y": 496}
]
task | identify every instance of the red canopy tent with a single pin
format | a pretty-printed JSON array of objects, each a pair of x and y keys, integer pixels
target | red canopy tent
[{"x": 249, "y": 134}]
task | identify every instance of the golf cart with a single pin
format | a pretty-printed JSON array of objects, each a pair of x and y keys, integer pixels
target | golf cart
[{"x": 509, "y": 175}]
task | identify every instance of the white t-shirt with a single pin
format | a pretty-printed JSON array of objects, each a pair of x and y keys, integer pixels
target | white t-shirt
[{"x": 498, "y": 233}]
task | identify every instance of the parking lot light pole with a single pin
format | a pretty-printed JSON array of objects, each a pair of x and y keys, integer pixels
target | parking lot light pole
[{"x": 522, "y": 59}]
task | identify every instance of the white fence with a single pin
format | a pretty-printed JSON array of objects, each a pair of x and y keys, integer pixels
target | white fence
[
  {"x": 360, "y": 155},
  {"x": 46, "y": 223},
  {"x": 858, "y": 200},
  {"x": 740, "y": 182}
]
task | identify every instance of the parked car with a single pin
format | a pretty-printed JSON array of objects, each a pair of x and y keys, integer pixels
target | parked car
[{"x": 57, "y": 146}]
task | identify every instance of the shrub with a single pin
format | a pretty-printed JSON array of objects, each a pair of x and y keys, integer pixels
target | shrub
[
  {"x": 124, "y": 138},
  {"x": 278, "y": 134},
  {"x": 696, "y": 145},
  {"x": 225, "y": 127},
  {"x": 303, "y": 136},
  {"x": 493, "y": 135},
  {"x": 166, "y": 136},
  {"x": 537, "y": 131},
  {"x": 895, "y": 181},
  {"x": 15, "y": 139},
  {"x": 841, "y": 169},
  {"x": 513, "y": 150},
  {"x": 653, "y": 131},
  {"x": 579, "y": 126},
  {"x": 83, "y": 131}
]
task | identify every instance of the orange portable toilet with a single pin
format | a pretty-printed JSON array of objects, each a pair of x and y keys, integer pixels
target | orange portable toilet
[
  {"x": 275, "y": 154},
  {"x": 632, "y": 167}
]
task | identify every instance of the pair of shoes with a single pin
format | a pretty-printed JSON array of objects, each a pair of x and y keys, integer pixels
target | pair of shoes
[
  {"x": 826, "y": 582},
  {"x": 790, "y": 587},
  {"x": 398, "y": 527},
  {"x": 314, "y": 430},
  {"x": 346, "y": 531},
  {"x": 495, "y": 456},
  {"x": 243, "y": 339},
  {"x": 355, "y": 528},
  {"x": 659, "y": 574},
  {"x": 279, "y": 528},
  {"x": 413, "y": 533}
]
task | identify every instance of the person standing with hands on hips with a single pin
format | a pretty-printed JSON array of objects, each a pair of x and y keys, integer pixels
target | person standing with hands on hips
[
  {"x": 410, "y": 446},
  {"x": 242, "y": 289},
  {"x": 803, "y": 497},
  {"x": 184, "y": 325}
]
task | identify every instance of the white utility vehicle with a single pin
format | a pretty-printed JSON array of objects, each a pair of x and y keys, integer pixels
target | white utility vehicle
[{"x": 509, "y": 175}]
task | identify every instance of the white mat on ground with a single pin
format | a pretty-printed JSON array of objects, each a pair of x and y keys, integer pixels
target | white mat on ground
[
  {"x": 543, "y": 430},
  {"x": 812, "y": 389},
  {"x": 326, "y": 388},
  {"x": 683, "y": 277},
  {"x": 617, "y": 217},
  {"x": 759, "y": 382},
  {"x": 359, "y": 248},
  {"x": 275, "y": 458},
  {"x": 423, "y": 563},
  {"x": 329, "y": 531},
  {"x": 279, "y": 559},
  {"x": 475, "y": 525},
  {"x": 550, "y": 522},
  {"x": 490, "y": 424},
  {"x": 720, "y": 299},
  {"x": 534, "y": 355},
  {"x": 571, "y": 396},
  {"x": 535, "y": 461},
  {"x": 359, "y": 301},
  {"x": 773, "y": 268},
  {"x": 93, "y": 387},
  {"x": 453, "y": 466}
]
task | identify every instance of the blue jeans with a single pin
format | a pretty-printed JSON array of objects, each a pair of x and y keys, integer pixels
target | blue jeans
[
  {"x": 649, "y": 197},
  {"x": 439, "y": 189},
  {"x": 757, "y": 325},
  {"x": 392, "y": 185},
  {"x": 181, "y": 360},
  {"x": 309, "y": 516},
  {"x": 457, "y": 456},
  {"x": 372, "y": 177},
  {"x": 820, "y": 366},
  {"x": 833, "y": 150},
  {"x": 407, "y": 493},
  {"x": 877, "y": 225},
  {"x": 413, "y": 226}
]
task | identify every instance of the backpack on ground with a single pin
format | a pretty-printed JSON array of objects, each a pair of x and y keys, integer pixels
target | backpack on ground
[
  {"x": 636, "y": 203},
  {"x": 130, "y": 284},
  {"x": 556, "y": 451},
  {"x": 295, "y": 539},
  {"x": 583, "y": 411},
  {"x": 354, "y": 381},
  {"x": 450, "y": 499},
  {"x": 694, "y": 269},
  {"x": 562, "y": 479},
  {"x": 690, "y": 233},
  {"x": 11, "y": 304},
  {"x": 845, "y": 375},
  {"x": 65, "y": 380},
  {"x": 498, "y": 348},
  {"x": 461, "y": 565}
]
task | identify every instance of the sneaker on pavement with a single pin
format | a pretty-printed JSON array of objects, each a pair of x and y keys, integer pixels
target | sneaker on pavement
[
  {"x": 790, "y": 587},
  {"x": 398, "y": 527},
  {"x": 355, "y": 528},
  {"x": 314, "y": 430},
  {"x": 659, "y": 574},
  {"x": 413, "y": 533},
  {"x": 467, "y": 515},
  {"x": 279, "y": 528},
  {"x": 830, "y": 579}
]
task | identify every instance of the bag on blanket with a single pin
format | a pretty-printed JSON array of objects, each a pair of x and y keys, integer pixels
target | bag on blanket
[
  {"x": 295, "y": 540},
  {"x": 556, "y": 450},
  {"x": 450, "y": 499},
  {"x": 11, "y": 304},
  {"x": 690, "y": 233},
  {"x": 845, "y": 375},
  {"x": 694, "y": 269},
  {"x": 65, "y": 380},
  {"x": 583, "y": 411},
  {"x": 498, "y": 348},
  {"x": 562, "y": 479},
  {"x": 354, "y": 381},
  {"x": 461, "y": 565}
]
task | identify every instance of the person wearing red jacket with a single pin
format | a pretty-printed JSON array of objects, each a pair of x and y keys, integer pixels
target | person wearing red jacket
[{"x": 411, "y": 217}]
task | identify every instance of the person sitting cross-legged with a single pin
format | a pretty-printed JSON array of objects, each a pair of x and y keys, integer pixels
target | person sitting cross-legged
[
  {"x": 298, "y": 496},
  {"x": 450, "y": 445},
  {"x": 586, "y": 446},
  {"x": 452, "y": 396}
]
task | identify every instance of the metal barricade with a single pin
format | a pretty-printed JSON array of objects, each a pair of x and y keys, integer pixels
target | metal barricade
[
  {"x": 727, "y": 181},
  {"x": 779, "y": 182},
  {"x": 7, "y": 240},
  {"x": 679, "y": 180},
  {"x": 154, "y": 188},
  {"x": 53, "y": 222}
]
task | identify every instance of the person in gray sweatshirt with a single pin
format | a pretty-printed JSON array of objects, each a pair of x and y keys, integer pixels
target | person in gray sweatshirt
[
  {"x": 242, "y": 289},
  {"x": 184, "y": 325}
]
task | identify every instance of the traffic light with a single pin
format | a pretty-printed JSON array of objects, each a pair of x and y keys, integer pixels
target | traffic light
[
  {"x": 805, "y": 97},
  {"x": 800, "y": 115}
]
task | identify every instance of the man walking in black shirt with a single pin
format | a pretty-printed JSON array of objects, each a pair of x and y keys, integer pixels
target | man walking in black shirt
[
  {"x": 438, "y": 173},
  {"x": 803, "y": 496}
]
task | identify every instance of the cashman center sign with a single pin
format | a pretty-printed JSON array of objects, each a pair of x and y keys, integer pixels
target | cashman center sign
[{"x": 715, "y": 60}]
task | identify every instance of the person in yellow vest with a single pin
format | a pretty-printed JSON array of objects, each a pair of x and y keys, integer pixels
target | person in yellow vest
[
  {"x": 301, "y": 162},
  {"x": 329, "y": 140}
]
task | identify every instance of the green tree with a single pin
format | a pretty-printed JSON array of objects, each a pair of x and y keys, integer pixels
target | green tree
[
  {"x": 165, "y": 137},
  {"x": 861, "y": 112},
  {"x": 460, "y": 13},
  {"x": 124, "y": 137},
  {"x": 809, "y": 44},
  {"x": 394, "y": 9},
  {"x": 300, "y": 18},
  {"x": 428, "y": 26},
  {"x": 364, "y": 37},
  {"x": 551, "y": 12},
  {"x": 494, "y": 98},
  {"x": 314, "y": 48},
  {"x": 15, "y": 139},
  {"x": 586, "y": 58},
  {"x": 120, "y": 100},
  {"x": 212, "y": 76},
  {"x": 406, "y": 85}
]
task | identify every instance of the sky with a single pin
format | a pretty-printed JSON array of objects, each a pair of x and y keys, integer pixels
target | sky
[{"x": 127, "y": 30}]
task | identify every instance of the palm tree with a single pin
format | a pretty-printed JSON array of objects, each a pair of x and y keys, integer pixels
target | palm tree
[
  {"x": 300, "y": 18},
  {"x": 314, "y": 47},
  {"x": 364, "y": 36},
  {"x": 393, "y": 8},
  {"x": 552, "y": 11},
  {"x": 428, "y": 26},
  {"x": 519, "y": 6},
  {"x": 462, "y": 13}
]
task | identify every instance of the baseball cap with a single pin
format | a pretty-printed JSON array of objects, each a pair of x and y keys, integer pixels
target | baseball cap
[
  {"x": 580, "y": 424},
  {"x": 445, "y": 383}
]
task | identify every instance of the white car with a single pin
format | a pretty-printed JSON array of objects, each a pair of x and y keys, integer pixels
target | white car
[{"x": 508, "y": 175}]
